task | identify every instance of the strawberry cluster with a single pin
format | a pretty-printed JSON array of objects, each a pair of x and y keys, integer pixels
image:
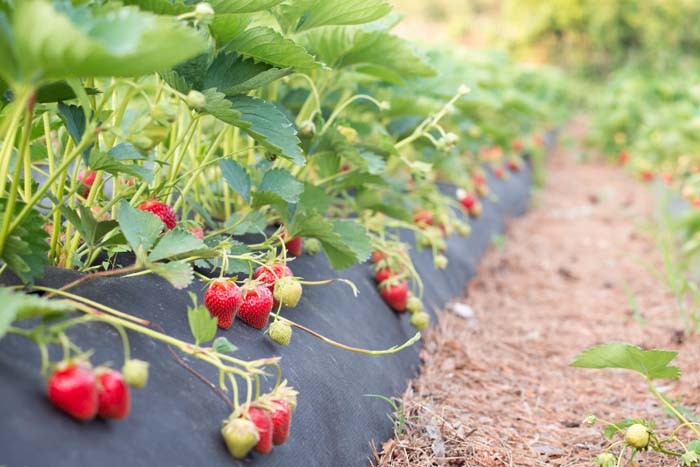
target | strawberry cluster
[
  {"x": 263, "y": 424},
  {"x": 83, "y": 393}
]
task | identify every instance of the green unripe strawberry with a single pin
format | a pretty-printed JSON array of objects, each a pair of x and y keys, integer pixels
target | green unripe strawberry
[
  {"x": 637, "y": 436},
  {"x": 420, "y": 320},
  {"x": 241, "y": 436},
  {"x": 414, "y": 304},
  {"x": 135, "y": 373},
  {"x": 606, "y": 459},
  {"x": 440, "y": 262},
  {"x": 462, "y": 229},
  {"x": 196, "y": 100},
  {"x": 288, "y": 291},
  {"x": 280, "y": 332},
  {"x": 312, "y": 246},
  {"x": 203, "y": 11}
]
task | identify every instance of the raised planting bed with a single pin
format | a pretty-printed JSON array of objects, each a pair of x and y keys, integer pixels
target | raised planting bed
[{"x": 175, "y": 419}]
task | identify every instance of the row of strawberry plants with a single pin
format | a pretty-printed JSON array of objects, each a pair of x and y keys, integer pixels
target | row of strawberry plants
[{"x": 218, "y": 141}]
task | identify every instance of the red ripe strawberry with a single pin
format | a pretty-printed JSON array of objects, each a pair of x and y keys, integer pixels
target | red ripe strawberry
[
  {"x": 73, "y": 389},
  {"x": 396, "y": 296},
  {"x": 86, "y": 178},
  {"x": 667, "y": 178},
  {"x": 377, "y": 256},
  {"x": 294, "y": 246},
  {"x": 113, "y": 394},
  {"x": 263, "y": 422},
  {"x": 197, "y": 232},
  {"x": 223, "y": 299},
  {"x": 468, "y": 202},
  {"x": 266, "y": 274},
  {"x": 423, "y": 218},
  {"x": 383, "y": 274},
  {"x": 518, "y": 145},
  {"x": 513, "y": 165},
  {"x": 257, "y": 305},
  {"x": 696, "y": 203},
  {"x": 162, "y": 210},
  {"x": 499, "y": 172},
  {"x": 623, "y": 158},
  {"x": 647, "y": 175},
  {"x": 281, "y": 421},
  {"x": 479, "y": 179}
]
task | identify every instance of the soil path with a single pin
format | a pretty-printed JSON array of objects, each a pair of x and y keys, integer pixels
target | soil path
[{"x": 495, "y": 388}]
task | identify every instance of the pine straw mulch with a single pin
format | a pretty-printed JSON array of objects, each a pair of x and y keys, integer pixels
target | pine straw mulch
[{"x": 495, "y": 387}]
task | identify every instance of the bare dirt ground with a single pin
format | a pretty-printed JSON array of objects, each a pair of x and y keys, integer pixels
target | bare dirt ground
[{"x": 496, "y": 388}]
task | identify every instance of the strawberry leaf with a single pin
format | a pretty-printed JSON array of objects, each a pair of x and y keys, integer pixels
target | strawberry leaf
[
  {"x": 653, "y": 364},
  {"x": 301, "y": 15},
  {"x": 282, "y": 183},
  {"x": 26, "y": 251},
  {"x": 175, "y": 243},
  {"x": 225, "y": 28},
  {"x": 140, "y": 228},
  {"x": 177, "y": 7},
  {"x": 233, "y": 75},
  {"x": 202, "y": 324},
  {"x": 223, "y": 345},
  {"x": 264, "y": 122},
  {"x": 345, "y": 242},
  {"x": 19, "y": 306},
  {"x": 73, "y": 41},
  {"x": 236, "y": 177},
  {"x": 178, "y": 273},
  {"x": 267, "y": 45}
]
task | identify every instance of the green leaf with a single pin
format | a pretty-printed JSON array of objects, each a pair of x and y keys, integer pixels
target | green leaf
[
  {"x": 385, "y": 56},
  {"x": 306, "y": 14},
  {"x": 652, "y": 364},
  {"x": 269, "y": 46},
  {"x": 189, "y": 74},
  {"x": 225, "y": 28},
  {"x": 178, "y": 273},
  {"x": 202, "y": 324},
  {"x": 313, "y": 199},
  {"x": 177, "y": 7},
  {"x": 282, "y": 183},
  {"x": 344, "y": 244},
  {"x": 233, "y": 75},
  {"x": 261, "y": 120},
  {"x": 59, "y": 91},
  {"x": 251, "y": 222},
  {"x": 236, "y": 177},
  {"x": 223, "y": 345},
  {"x": 26, "y": 250},
  {"x": 611, "y": 430},
  {"x": 140, "y": 228},
  {"x": 19, "y": 306},
  {"x": 69, "y": 41},
  {"x": 356, "y": 237},
  {"x": 174, "y": 243},
  {"x": 73, "y": 118},
  {"x": 107, "y": 162}
]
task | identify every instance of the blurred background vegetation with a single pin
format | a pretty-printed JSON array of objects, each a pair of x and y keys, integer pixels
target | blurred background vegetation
[{"x": 593, "y": 37}]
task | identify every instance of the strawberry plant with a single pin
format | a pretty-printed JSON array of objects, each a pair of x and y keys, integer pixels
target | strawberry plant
[
  {"x": 210, "y": 144},
  {"x": 632, "y": 436}
]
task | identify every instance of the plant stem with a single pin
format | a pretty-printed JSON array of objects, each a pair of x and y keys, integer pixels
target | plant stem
[
  {"x": 389, "y": 351},
  {"x": 670, "y": 407}
]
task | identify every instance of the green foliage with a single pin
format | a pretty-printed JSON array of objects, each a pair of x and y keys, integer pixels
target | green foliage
[
  {"x": 25, "y": 251},
  {"x": 202, "y": 324},
  {"x": 20, "y": 306},
  {"x": 85, "y": 40},
  {"x": 652, "y": 364}
]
